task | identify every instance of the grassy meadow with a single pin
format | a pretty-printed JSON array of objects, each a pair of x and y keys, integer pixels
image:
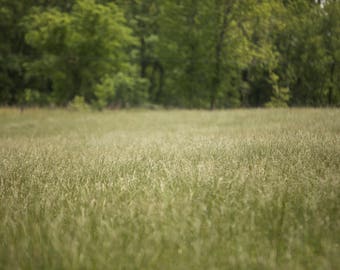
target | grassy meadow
[{"x": 238, "y": 189}]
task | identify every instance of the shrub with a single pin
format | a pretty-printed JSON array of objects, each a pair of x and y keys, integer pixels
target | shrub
[{"x": 78, "y": 104}]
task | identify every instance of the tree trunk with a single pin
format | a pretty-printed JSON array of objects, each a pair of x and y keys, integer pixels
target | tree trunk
[
  {"x": 143, "y": 60},
  {"x": 161, "y": 81},
  {"x": 212, "y": 103},
  {"x": 331, "y": 87},
  {"x": 218, "y": 55}
]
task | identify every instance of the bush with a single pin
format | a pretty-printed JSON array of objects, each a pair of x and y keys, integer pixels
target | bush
[
  {"x": 121, "y": 90},
  {"x": 280, "y": 96},
  {"x": 30, "y": 97},
  {"x": 105, "y": 93},
  {"x": 78, "y": 104}
]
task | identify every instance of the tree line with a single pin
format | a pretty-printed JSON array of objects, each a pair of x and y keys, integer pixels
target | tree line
[{"x": 174, "y": 53}]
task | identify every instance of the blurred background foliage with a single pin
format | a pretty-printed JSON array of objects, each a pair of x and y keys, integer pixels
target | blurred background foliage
[{"x": 188, "y": 53}]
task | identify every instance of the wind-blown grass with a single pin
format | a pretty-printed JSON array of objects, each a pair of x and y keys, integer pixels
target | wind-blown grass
[{"x": 241, "y": 189}]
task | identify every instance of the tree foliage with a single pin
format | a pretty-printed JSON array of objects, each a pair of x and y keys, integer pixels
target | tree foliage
[{"x": 186, "y": 53}]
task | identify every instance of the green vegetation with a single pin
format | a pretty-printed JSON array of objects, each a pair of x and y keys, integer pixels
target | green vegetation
[
  {"x": 238, "y": 189},
  {"x": 187, "y": 54}
]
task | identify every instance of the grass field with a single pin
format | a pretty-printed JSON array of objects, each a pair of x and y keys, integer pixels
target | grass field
[{"x": 240, "y": 189}]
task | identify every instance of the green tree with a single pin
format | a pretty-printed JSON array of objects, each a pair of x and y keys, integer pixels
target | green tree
[
  {"x": 262, "y": 26},
  {"x": 182, "y": 52},
  {"x": 13, "y": 50},
  {"x": 309, "y": 47},
  {"x": 185, "y": 53},
  {"x": 77, "y": 48},
  {"x": 193, "y": 50},
  {"x": 331, "y": 30},
  {"x": 143, "y": 18}
]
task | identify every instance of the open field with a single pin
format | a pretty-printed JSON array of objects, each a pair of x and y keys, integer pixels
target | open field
[{"x": 240, "y": 189}]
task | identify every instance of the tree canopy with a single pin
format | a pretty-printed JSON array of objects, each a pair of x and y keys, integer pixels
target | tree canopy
[{"x": 187, "y": 53}]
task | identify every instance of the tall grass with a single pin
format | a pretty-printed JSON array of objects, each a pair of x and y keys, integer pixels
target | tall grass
[{"x": 242, "y": 189}]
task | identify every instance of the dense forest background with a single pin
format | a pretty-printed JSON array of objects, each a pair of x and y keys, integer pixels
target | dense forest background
[{"x": 174, "y": 53}]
